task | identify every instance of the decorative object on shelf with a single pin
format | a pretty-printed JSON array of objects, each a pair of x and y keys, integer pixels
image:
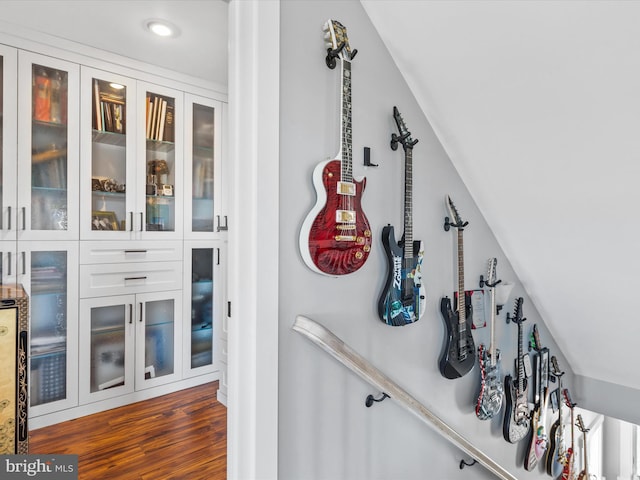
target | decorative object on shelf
[
  {"x": 104, "y": 221},
  {"x": 335, "y": 238},
  {"x": 59, "y": 216},
  {"x": 516, "y": 413},
  {"x": 403, "y": 296},
  {"x": 14, "y": 383},
  {"x": 458, "y": 352},
  {"x": 491, "y": 391}
]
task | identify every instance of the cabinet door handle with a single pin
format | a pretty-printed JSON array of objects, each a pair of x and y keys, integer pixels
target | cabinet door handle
[
  {"x": 222, "y": 228},
  {"x": 135, "y": 278},
  {"x": 141, "y": 222},
  {"x": 140, "y": 311},
  {"x": 131, "y": 221},
  {"x": 9, "y": 260},
  {"x": 218, "y": 252},
  {"x": 130, "y": 313},
  {"x": 24, "y": 218},
  {"x": 9, "y": 215},
  {"x": 24, "y": 263}
]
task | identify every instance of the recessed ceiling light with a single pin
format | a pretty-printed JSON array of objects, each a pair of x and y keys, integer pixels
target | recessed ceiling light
[{"x": 162, "y": 28}]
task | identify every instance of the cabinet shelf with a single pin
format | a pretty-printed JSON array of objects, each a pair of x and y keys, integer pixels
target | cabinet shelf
[
  {"x": 109, "y": 138},
  {"x": 49, "y": 190},
  {"x": 49, "y": 125},
  {"x": 160, "y": 146}
]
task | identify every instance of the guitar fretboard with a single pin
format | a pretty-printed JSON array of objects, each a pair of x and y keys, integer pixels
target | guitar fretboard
[
  {"x": 345, "y": 130},
  {"x": 520, "y": 364},
  {"x": 461, "y": 298},
  {"x": 408, "y": 203}
]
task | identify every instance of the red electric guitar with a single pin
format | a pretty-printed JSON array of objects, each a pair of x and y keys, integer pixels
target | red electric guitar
[
  {"x": 568, "y": 472},
  {"x": 335, "y": 238}
]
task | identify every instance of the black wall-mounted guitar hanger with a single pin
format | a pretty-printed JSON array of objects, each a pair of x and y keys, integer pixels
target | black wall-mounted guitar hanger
[
  {"x": 332, "y": 54},
  {"x": 448, "y": 224}
]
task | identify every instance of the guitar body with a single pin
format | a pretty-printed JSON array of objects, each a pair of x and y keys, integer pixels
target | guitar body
[
  {"x": 554, "y": 461},
  {"x": 491, "y": 390},
  {"x": 403, "y": 298},
  {"x": 567, "y": 470},
  {"x": 328, "y": 245},
  {"x": 531, "y": 459},
  {"x": 458, "y": 351},
  {"x": 516, "y": 424}
]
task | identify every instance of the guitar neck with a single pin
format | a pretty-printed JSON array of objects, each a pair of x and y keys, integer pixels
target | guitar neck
[
  {"x": 345, "y": 124},
  {"x": 520, "y": 365},
  {"x": 492, "y": 346},
  {"x": 586, "y": 463},
  {"x": 408, "y": 203},
  {"x": 461, "y": 298}
]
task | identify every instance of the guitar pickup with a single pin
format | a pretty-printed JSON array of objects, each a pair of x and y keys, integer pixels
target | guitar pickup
[
  {"x": 346, "y": 188},
  {"x": 345, "y": 216},
  {"x": 345, "y": 238}
]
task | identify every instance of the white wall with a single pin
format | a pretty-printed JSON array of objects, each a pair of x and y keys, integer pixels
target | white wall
[{"x": 325, "y": 431}]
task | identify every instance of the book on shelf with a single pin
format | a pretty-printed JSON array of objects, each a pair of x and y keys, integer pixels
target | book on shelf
[
  {"x": 109, "y": 111},
  {"x": 97, "y": 118},
  {"x": 169, "y": 133}
]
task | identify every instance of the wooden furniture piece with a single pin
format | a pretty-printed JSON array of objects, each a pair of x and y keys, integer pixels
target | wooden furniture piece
[{"x": 14, "y": 340}]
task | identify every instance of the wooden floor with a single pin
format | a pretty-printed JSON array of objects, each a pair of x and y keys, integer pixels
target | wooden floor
[{"x": 179, "y": 436}]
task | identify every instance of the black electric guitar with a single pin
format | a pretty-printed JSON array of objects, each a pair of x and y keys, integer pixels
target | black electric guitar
[
  {"x": 516, "y": 413},
  {"x": 557, "y": 451},
  {"x": 491, "y": 392},
  {"x": 403, "y": 298},
  {"x": 458, "y": 352}
]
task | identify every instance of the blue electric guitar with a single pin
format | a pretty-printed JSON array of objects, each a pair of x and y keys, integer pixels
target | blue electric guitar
[{"x": 403, "y": 298}]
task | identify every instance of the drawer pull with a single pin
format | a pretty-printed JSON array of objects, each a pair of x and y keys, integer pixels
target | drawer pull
[
  {"x": 135, "y": 278},
  {"x": 135, "y": 251}
]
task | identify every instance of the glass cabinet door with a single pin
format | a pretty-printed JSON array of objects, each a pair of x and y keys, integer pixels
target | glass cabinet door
[
  {"x": 8, "y": 143},
  {"x": 108, "y": 116},
  {"x": 48, "y": 140},
  {"x": 203, "y": 289},
  {"x": 50, "y": 278},
  {"x": 157, "y": 339},
  {"x": 202, "y": 167},
  {"x": 160, "y": 177},
  {"x": 106, "y": 346}
]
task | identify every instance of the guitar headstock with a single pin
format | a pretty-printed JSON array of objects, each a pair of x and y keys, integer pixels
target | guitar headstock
[
  {"x": 337, "y": 43},
  {"x": 567, "y": 398},
  {"x": 555, "y": 368},
  {"x": 580, "y": 424},
  {"x": 517, "y": 311},
  {"x": 491, "y": 272},
  {"x": 405, "y": 135},
  {"x": 456, "y": 220}
]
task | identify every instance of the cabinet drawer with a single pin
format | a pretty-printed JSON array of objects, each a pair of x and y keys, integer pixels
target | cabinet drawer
[
  {"x": 100, "y": 280},
  {"x": 126, "y": 252}
]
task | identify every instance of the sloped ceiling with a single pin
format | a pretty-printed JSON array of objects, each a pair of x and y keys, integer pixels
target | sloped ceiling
[{"x": 538, "y": 105}]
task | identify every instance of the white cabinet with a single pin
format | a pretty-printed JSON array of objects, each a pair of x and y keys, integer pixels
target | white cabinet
[
  {"x": 128, "y": 343},
  {"x": 49, "y": 273},
  {"x": 159, "y": 171},
  {"x": 8, "y": 146},
  {"x": 204, "y": 203},
  {"x": 204, "y": 278},
  {"x": 47, "y": 148}
]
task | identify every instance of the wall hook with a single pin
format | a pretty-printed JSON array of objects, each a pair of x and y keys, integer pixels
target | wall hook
[
  {"x": 448, "y": 224},
  {"x": 332, "y": 54},
  {"x": 370, "y": 399},
  {"x": 463, "y": 463},
  {"x": 367, "y": 158}
]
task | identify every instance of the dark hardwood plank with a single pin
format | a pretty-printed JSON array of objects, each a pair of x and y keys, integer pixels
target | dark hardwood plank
[{"x": 178, "y": 436}]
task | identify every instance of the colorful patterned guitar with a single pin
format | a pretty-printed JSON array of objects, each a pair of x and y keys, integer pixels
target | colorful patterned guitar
[
  {"x": 335, "y": 237},
  {"x": 403, "y": 297}
]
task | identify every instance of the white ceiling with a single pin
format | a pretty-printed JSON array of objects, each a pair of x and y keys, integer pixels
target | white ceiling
[
  {"x": 117, "y": 26},
  {"x": 538, "y": 105}
]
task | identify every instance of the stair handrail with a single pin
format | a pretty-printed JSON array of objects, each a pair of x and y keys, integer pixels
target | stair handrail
[{"x": 355, "y": 362}]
